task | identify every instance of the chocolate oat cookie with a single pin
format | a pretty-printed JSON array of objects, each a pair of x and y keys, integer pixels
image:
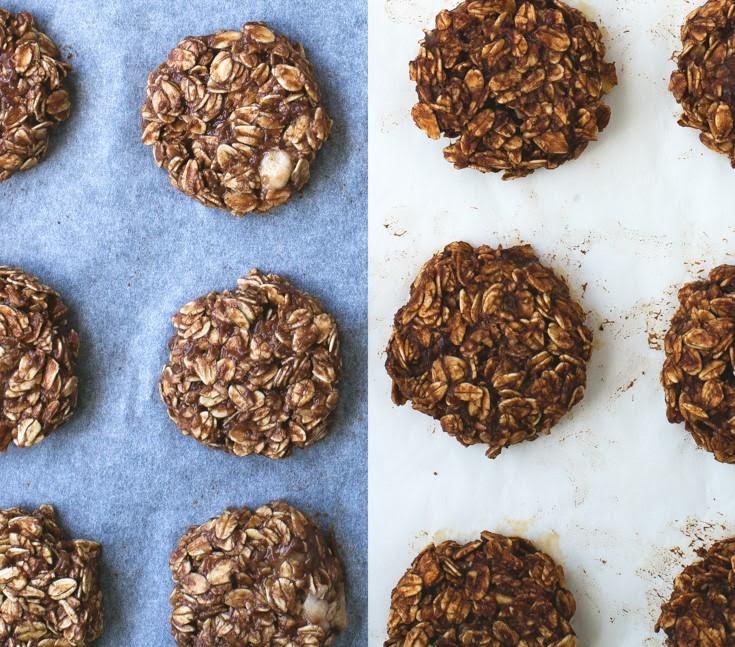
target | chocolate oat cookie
[
  {"x": 253, "y": 370},
  {"x": 38, "y": 354},
  {"x": 260, "y": 578},
  {"x": 491, "y": 344},
  {"x": 49, "y": 593},
  {"x": 236, "y": 118},
  {"x": 33, "y": 96},
  {"x": 699, "y": 612},
  {"x": 517, "y": 84},
  {"x": 703, "y": 82},
  {"x": 697, "y": 375},
  {"x": 494, "y": 591}
]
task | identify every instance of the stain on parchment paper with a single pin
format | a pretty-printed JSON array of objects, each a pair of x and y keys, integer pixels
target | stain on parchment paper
[
  {"x": 411, "y": 12},
  {"x": 664, "y": 564}
]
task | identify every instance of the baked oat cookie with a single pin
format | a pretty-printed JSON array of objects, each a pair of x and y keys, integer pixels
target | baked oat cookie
[
  {"x": 38, "y": 354},
  {"x": 703, "y": 82},
  {"x": 699, "y": 612},
  {"x": 262, "y": 578},
  {"x": 33, "y": 94},
  {"x": 517, "y": 85},
  {"x": 236, "y": 118},
  {"x": 491, "y": 344},
  {"x": 253, "y": 370},
  {"x": 49, "y": 591},
  {"x": 494, "y": 591},
  {"x": 697, "y": 375}
]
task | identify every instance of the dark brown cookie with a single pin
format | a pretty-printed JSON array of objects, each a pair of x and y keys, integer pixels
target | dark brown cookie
[
  {"x": 38, "y": 354},
  {"x": 33, "y": 97},
  {"x": 491, "y": 344},
  {"x": 703, "y": 82},
  {"x": 494, "y": 591},
  {"x": 236, "y": 118},
  {"x": 49, "y": 591},
  {"x": 260, "y": 578},
  {"x": 253, "y": 370},
  {"x": 700, "y": 355},
  {"x": 518, "y": 85},
  {"x": 699, "y": 612}
]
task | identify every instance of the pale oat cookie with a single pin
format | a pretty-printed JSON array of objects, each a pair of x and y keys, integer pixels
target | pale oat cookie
[
  {"x": 517, "y": 85},
  {"x": 236, "y": 118},
  {"x": 703, "y": 82},
  {"x": 253, "y": 370},
  {"x": 38, "y": 355},
  {"x": 264, "y": 579},
  {"x": 491, "y": 344},
  {"x": 497, "y": 591},
  {"x": 49, "y": 590},
  {"x": 33, "y": 94},
  {"x": 697, "y": 375},
  {"x": 699, "y": 611}
]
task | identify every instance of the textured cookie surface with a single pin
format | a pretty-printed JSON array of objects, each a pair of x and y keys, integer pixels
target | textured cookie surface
[
  {"x": 699, "y": 612},
  {"x": 491, "y": 344},
  {"x": 38, "y": 353},
  {"x": 49, "y": 591},
  {"x": 33, "y": 96},
  {"x": 495, "y": 591},
  {"x": 700, "y": 355},
  {"x": 236, "y": 118},
  {"x": 262, "y": 579},
  {"x": 703, "y": 82},
  {"x": 254, "y": 369},
  {"x": 518, "y": 85}
]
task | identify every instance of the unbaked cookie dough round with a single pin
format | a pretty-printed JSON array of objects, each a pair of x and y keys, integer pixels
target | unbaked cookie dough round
[
  {"x": 517, "y": 85},
  {"x": 33, "y": 94},
  {"x": 491, "y": 344},
  {"x": 260, "y": 578},
  {"x": 699, "y": 611},
  {"x": 253, "y": 370},
  {"x": 38, "y": 354},
  {"x": 494, "y": 591},
  {"x": 703, "y": 82},
  {"x": 236, "y": 118},
  {"x": 49, "y": 590},
  {"x": 697, "y": 375}
]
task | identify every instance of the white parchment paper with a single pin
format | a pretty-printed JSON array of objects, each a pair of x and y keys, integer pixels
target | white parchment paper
[{"x": 617, "y": 494}]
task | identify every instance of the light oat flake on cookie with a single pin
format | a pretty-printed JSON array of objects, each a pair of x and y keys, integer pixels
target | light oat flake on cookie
[
  {"x": 496, "y": 591},
  {"x": 262, "y": 578},
  {"x": 517, "y": 85},
  {"x": 236, "y": 118},
  {"x": 49, "y": 591},
  {"x": 33, "y": 95},
  {"x": 491, "y": 344},
  {"x": 38, "y": 355},
  {"x": 253, "y": 370}
]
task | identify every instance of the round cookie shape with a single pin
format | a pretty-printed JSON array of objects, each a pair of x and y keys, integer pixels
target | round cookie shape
[
  {"x": 703, "y": 82},
  {"x": 236, "y": 118},
  {"x": 494, "y": 591},
  {"x": 491, "y": 344},
  {"x": 33, "y": 96},
  {"x": 697, "y": 375},
  {"x": 517, "y": 85},
  {"x": 699, "y": 612},
  {"x": 266, "y": 578},
  {"x": 38, "y": 354},
  {"x": 49, "y": 590},
  {"x": 253, "y": 370}
]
